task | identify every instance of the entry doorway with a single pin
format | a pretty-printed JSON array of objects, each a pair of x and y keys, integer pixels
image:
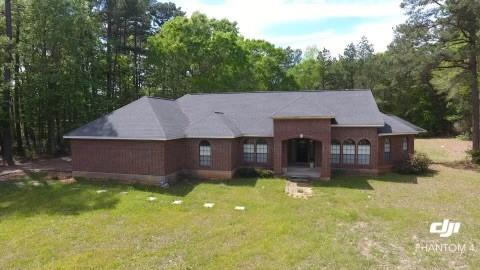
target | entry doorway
[{"x": 301, "y": 152}]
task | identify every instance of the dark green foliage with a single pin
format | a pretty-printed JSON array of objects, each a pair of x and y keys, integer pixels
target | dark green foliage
[
  {"x": 417, "y": 163},
  {"x": 475, "y": 155},
  {"x": 264, "y": 173},
  {"x": 251, "y": 172},
  {"x": 75, "y": 60}
]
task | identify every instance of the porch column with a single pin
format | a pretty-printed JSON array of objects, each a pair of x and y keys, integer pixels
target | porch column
[
  {"x": 325, "y": 170},
  {"x": 277, "y": 156}
]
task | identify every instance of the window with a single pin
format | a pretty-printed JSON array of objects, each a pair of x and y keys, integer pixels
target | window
[
  {"x": 205, "y": 154},
  {"x": 335, "y": 152},
  {"x": 248, "y": 151},
  {"x": 363, "y": 152},
  {"x": 405, "y": 146},
  {"x": 348, "y": 152},
  {"x": 262, "y": 151},
  {"x": 386, "y": 149}
]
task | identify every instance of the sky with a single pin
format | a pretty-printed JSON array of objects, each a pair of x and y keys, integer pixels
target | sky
[{"x": 304, "y": 23}]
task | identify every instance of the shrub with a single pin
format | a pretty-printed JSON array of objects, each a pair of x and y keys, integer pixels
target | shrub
[
  {"x": 416, "y": 164},
  {"x": 249, "y": 172},
  {"x": 475, "y": 156},
  {"x": 264, "y": 173}
]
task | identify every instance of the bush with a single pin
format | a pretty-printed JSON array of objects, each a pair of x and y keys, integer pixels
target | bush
[
  {"x": 249, "y": 172},
  {"x": 417, "y": 163},
  {"x": 264, "y": 173},
  {"x": 475, "y": 156}
]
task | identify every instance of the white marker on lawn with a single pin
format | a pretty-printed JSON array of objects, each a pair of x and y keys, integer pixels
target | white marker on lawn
[
  {"x": 101, "y": 191},
  {"x": 151, "y": 198},
  {"x": 240, "y": 208},
  {"x": 36, "y": 183},
  {"x": 208, "y": 205},
  {"x": 177, "y": 202}
]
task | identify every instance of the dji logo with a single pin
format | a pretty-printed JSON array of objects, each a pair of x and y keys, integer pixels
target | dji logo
[{"x": 445, "y": 228}]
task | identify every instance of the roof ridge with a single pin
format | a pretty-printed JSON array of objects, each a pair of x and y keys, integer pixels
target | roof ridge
[
  {"x": 156, "y": 118},
  {"x": 286, "y": 106},
  {"x": 278, "y": 91},
  {"x": 227, "y": 122},
  {"x": 222, "y": 118},
  {"x": 162, "y": 98}
]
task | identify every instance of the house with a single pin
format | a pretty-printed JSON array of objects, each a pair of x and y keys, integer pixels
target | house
[{"x": 310, "y": 133}]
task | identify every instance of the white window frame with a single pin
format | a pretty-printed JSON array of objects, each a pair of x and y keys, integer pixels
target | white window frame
[
  {"x": 205, "y": 154},
  {"x": 262, "y": 151},
  {"x": 335, "y": 152},
  {"x": 364, "y": 152},
  {"x": 348, "y": 152}
]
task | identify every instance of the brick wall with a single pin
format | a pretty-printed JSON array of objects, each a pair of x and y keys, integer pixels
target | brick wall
[
  {"x": 174, "y": 156},
  {"x": 356, "y": 134},
  {"x": 315, "y": 129},
  {"x": 118, "y": 156},
  {"x": 237, "y": 153},
  {"x": 161, "y": 158},
  {"x": 221, "y": 154},
  {"x": 396, "y": 153}
]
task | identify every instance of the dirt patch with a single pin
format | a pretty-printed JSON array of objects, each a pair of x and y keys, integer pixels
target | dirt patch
[
  {"x": 444, "y": 149},
  {"x": 54, "y": 168}
]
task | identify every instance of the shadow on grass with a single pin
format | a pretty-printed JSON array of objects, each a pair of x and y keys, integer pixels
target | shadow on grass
[
  {"x": 460, "y": 165},
  {"x": 29, "y": 198},
  {"x": 180, "y": 189},
  {"x": 352, "y": 181}
]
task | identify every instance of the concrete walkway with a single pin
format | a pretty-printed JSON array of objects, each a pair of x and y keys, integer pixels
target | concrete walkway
[{"x": 302, "y": 190}]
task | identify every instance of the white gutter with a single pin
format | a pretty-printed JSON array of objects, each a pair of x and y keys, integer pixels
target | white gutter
[
  {"x": 115, "y": 138},
  {"x": 399, "y": 133},
  {"x": 338, "y": 125}
]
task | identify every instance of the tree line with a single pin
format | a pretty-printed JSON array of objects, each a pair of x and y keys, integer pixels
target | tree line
[{"x": 66, "y": 62}]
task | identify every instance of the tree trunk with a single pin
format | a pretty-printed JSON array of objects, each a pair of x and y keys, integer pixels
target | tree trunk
[
  {"x": 16, "y": 101},
  {"x": 6, "y": 129},
  {"x": 473, "y": 66}
]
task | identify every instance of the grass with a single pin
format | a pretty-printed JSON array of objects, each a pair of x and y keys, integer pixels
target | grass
[{"x": 349, "y": 223}]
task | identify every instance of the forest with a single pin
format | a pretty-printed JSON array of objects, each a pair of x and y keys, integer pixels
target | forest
[{"x": 67, "y": 62}]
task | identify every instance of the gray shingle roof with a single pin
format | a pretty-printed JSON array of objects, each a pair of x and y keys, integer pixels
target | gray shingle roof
[
  {"x": 145, "y": 118},
  {"x": 216, "y": 125},
  {"x": 233, "y": 114},
  {"x": 397, "y": 125}
]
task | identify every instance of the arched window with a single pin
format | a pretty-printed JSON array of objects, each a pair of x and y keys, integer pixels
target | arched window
[
  {"x": 348, "y": 152},
  {"x": 262, "y": 151},
  {"x": 248, "y": 151},
  {"x": 335, "y": 152},
  {"x": 405, "y": 146},
  {"x": 386, "y": 149},
  {"x": 205, "y": 154},
  {"x": 363, "y": 152}
]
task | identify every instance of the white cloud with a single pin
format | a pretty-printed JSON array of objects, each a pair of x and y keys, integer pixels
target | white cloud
[
  {"x": 380, "y": 34},
  {"x": 254, "y": 17}
]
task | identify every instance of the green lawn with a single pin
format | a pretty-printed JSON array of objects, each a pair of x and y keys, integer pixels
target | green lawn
[{"x": 349, "y": 223}]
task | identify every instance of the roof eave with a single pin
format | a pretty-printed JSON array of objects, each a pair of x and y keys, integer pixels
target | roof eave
[
  {"x": 303, "y": 117},
  {"x": 118, "y": 138},
  {"x": 399, "y": 133},
  {"x": 366, "y": 125}
]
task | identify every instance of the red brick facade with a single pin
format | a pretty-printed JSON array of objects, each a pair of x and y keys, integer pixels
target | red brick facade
[
  {"x": 318, "y": 130},
  {"x": 341, "y": 134},
  {"x": 166, "y": 158}
]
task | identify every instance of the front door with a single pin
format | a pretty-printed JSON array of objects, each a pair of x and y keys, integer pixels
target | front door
[{"x": 302, "y": 151}]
